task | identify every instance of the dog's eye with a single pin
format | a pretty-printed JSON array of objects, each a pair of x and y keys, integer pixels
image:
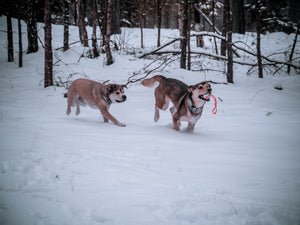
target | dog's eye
[
  {"x": 200, "y": 87},
  {"x": 117, "y": 93}
]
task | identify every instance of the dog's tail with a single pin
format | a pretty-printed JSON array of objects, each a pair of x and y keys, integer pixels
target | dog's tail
[{"x": 150, "y": 82}]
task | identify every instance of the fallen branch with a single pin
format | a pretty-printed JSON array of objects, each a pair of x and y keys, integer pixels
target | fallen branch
[
  {"x": 213, "y": 56},
  {"x": 146, "y": 72},
  {"x": 273, "y": 61}
]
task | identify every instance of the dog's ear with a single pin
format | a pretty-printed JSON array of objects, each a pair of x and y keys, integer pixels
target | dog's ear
[
  {"x": 111, "y": 88},
  {"x": 191, "y": 88}
]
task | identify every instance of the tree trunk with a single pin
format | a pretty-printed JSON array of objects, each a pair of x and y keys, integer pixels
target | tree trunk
[
  {"x": 229, "y": 42},
  {"x": 32, "y": 35},
  {"x": 238, "y": 14},
  {"x": 109, "y": 58},
  {"x": 66, "y": 24},
  {"x": 20, "y": 43},
  {"x": 185, "y": 34},
  {"x": 94, "y": 9},
  {"x": 198, "y": 26},
  {"x": 141, "y": 11},
  {"x": 258, "y": 32},
  {"x": 225, "y": 27},
  {"x": 81, "y": 24},
  {"x": 10, "y": 43},
  {"x": 230, "y": 58},
  {"x": 159, "y": 9},
  {"x": 115, "y": 17},
  {"x": 189, "y": 37},
  {"x": 48, "y": 81},
  {"x": 180, "y": 18},
  {"x": 214, "y": 28},
  {"x": 259, "y": 63},
  {"x": 293, "y": 48}
]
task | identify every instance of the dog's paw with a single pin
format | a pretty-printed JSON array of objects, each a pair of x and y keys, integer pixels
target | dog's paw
[{"x": 121, "y": 124}]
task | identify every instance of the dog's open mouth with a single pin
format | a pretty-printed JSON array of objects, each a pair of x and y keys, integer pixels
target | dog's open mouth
[{"x": 205, "y": 97}]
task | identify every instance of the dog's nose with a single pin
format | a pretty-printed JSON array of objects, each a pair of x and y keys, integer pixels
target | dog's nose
[
  {"x": 209, "y": 90},
  {"x": 124, "y": 97}
]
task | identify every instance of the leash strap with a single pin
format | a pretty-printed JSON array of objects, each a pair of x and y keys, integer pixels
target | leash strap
[{"x": 214, "y": 111}]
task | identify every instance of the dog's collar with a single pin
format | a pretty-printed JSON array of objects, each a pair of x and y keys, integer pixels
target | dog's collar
[
  {"x": 193, "y": 109},
  {"x": 107, "y": 99}
]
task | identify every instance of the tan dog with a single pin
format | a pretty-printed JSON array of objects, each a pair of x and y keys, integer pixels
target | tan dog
[
  {"x": 188, "y": 101},
  {"x": 84, "y": 92}
]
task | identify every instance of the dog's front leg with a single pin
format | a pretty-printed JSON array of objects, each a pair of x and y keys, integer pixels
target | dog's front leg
[
  {"x": 191, "y": 126},
  {"x": 176, "y": 122},
  {"x": 108, "y": 116}
]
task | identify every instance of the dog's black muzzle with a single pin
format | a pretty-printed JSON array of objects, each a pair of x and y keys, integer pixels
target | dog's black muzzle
[{"x": 122, "y": 100}]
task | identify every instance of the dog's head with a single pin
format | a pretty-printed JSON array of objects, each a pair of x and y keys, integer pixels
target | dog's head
[
  {"x": 200, "y": 91},
  {"x": 116, "y": 93}
]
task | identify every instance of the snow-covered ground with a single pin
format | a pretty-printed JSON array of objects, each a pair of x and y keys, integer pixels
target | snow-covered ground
[{"x": 240, "y": 166}]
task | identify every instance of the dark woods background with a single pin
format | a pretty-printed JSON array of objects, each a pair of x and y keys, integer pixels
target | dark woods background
[
  {"x": 222, "y": 17},
  {"x": 279, "y": 14}
]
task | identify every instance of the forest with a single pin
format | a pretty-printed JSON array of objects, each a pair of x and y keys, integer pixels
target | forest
[{"x": 193, "y": 19}]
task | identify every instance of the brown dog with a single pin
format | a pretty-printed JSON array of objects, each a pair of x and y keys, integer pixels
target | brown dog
[
  {"x": 84, "y": 92},
  {"x": 188, "y": 101}
]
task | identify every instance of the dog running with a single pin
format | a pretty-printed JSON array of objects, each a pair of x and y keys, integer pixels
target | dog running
[
  {"x": 188, "y": 101},
  {"x": 84, "y": 92}
]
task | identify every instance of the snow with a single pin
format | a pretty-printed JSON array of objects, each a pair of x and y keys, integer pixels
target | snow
[{"x": 240, "y": 166}]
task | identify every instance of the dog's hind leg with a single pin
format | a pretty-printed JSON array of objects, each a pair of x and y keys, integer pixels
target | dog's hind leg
[
  {"x": 70, "y": 103},
  {"x": 77, "y": 109},
  {"x": 161, "y": 102},
  {"x": 156, "y": 114}
]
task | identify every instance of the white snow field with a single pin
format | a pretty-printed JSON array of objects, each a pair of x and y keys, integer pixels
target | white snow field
[{"x": 240, "y": 166}]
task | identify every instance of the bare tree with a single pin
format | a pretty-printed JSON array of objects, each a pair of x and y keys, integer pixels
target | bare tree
[
  {"x": 141, "y": 13},
  {"x": 258, "y": 27},
  {"x": 31, "y": 20},
  {"x": 293, "y": 48},
  {"x": 159, "y": 6},
  {"x": 81, "y": 24},
  {"x": 48, "y": 80},
  {"x": 10, "y": 44},
  {"x": 184, "y": 38},
  {"x": 238, "y": 14},
  {"x": 229, "y": 41},
  {"x": 109, "y": 58},
  {"x": 20, "y": 43},
  {"x": 214, "y": 24},
  {"x": 66, "y": 9},
  {"x": 224, "y": 29}
]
